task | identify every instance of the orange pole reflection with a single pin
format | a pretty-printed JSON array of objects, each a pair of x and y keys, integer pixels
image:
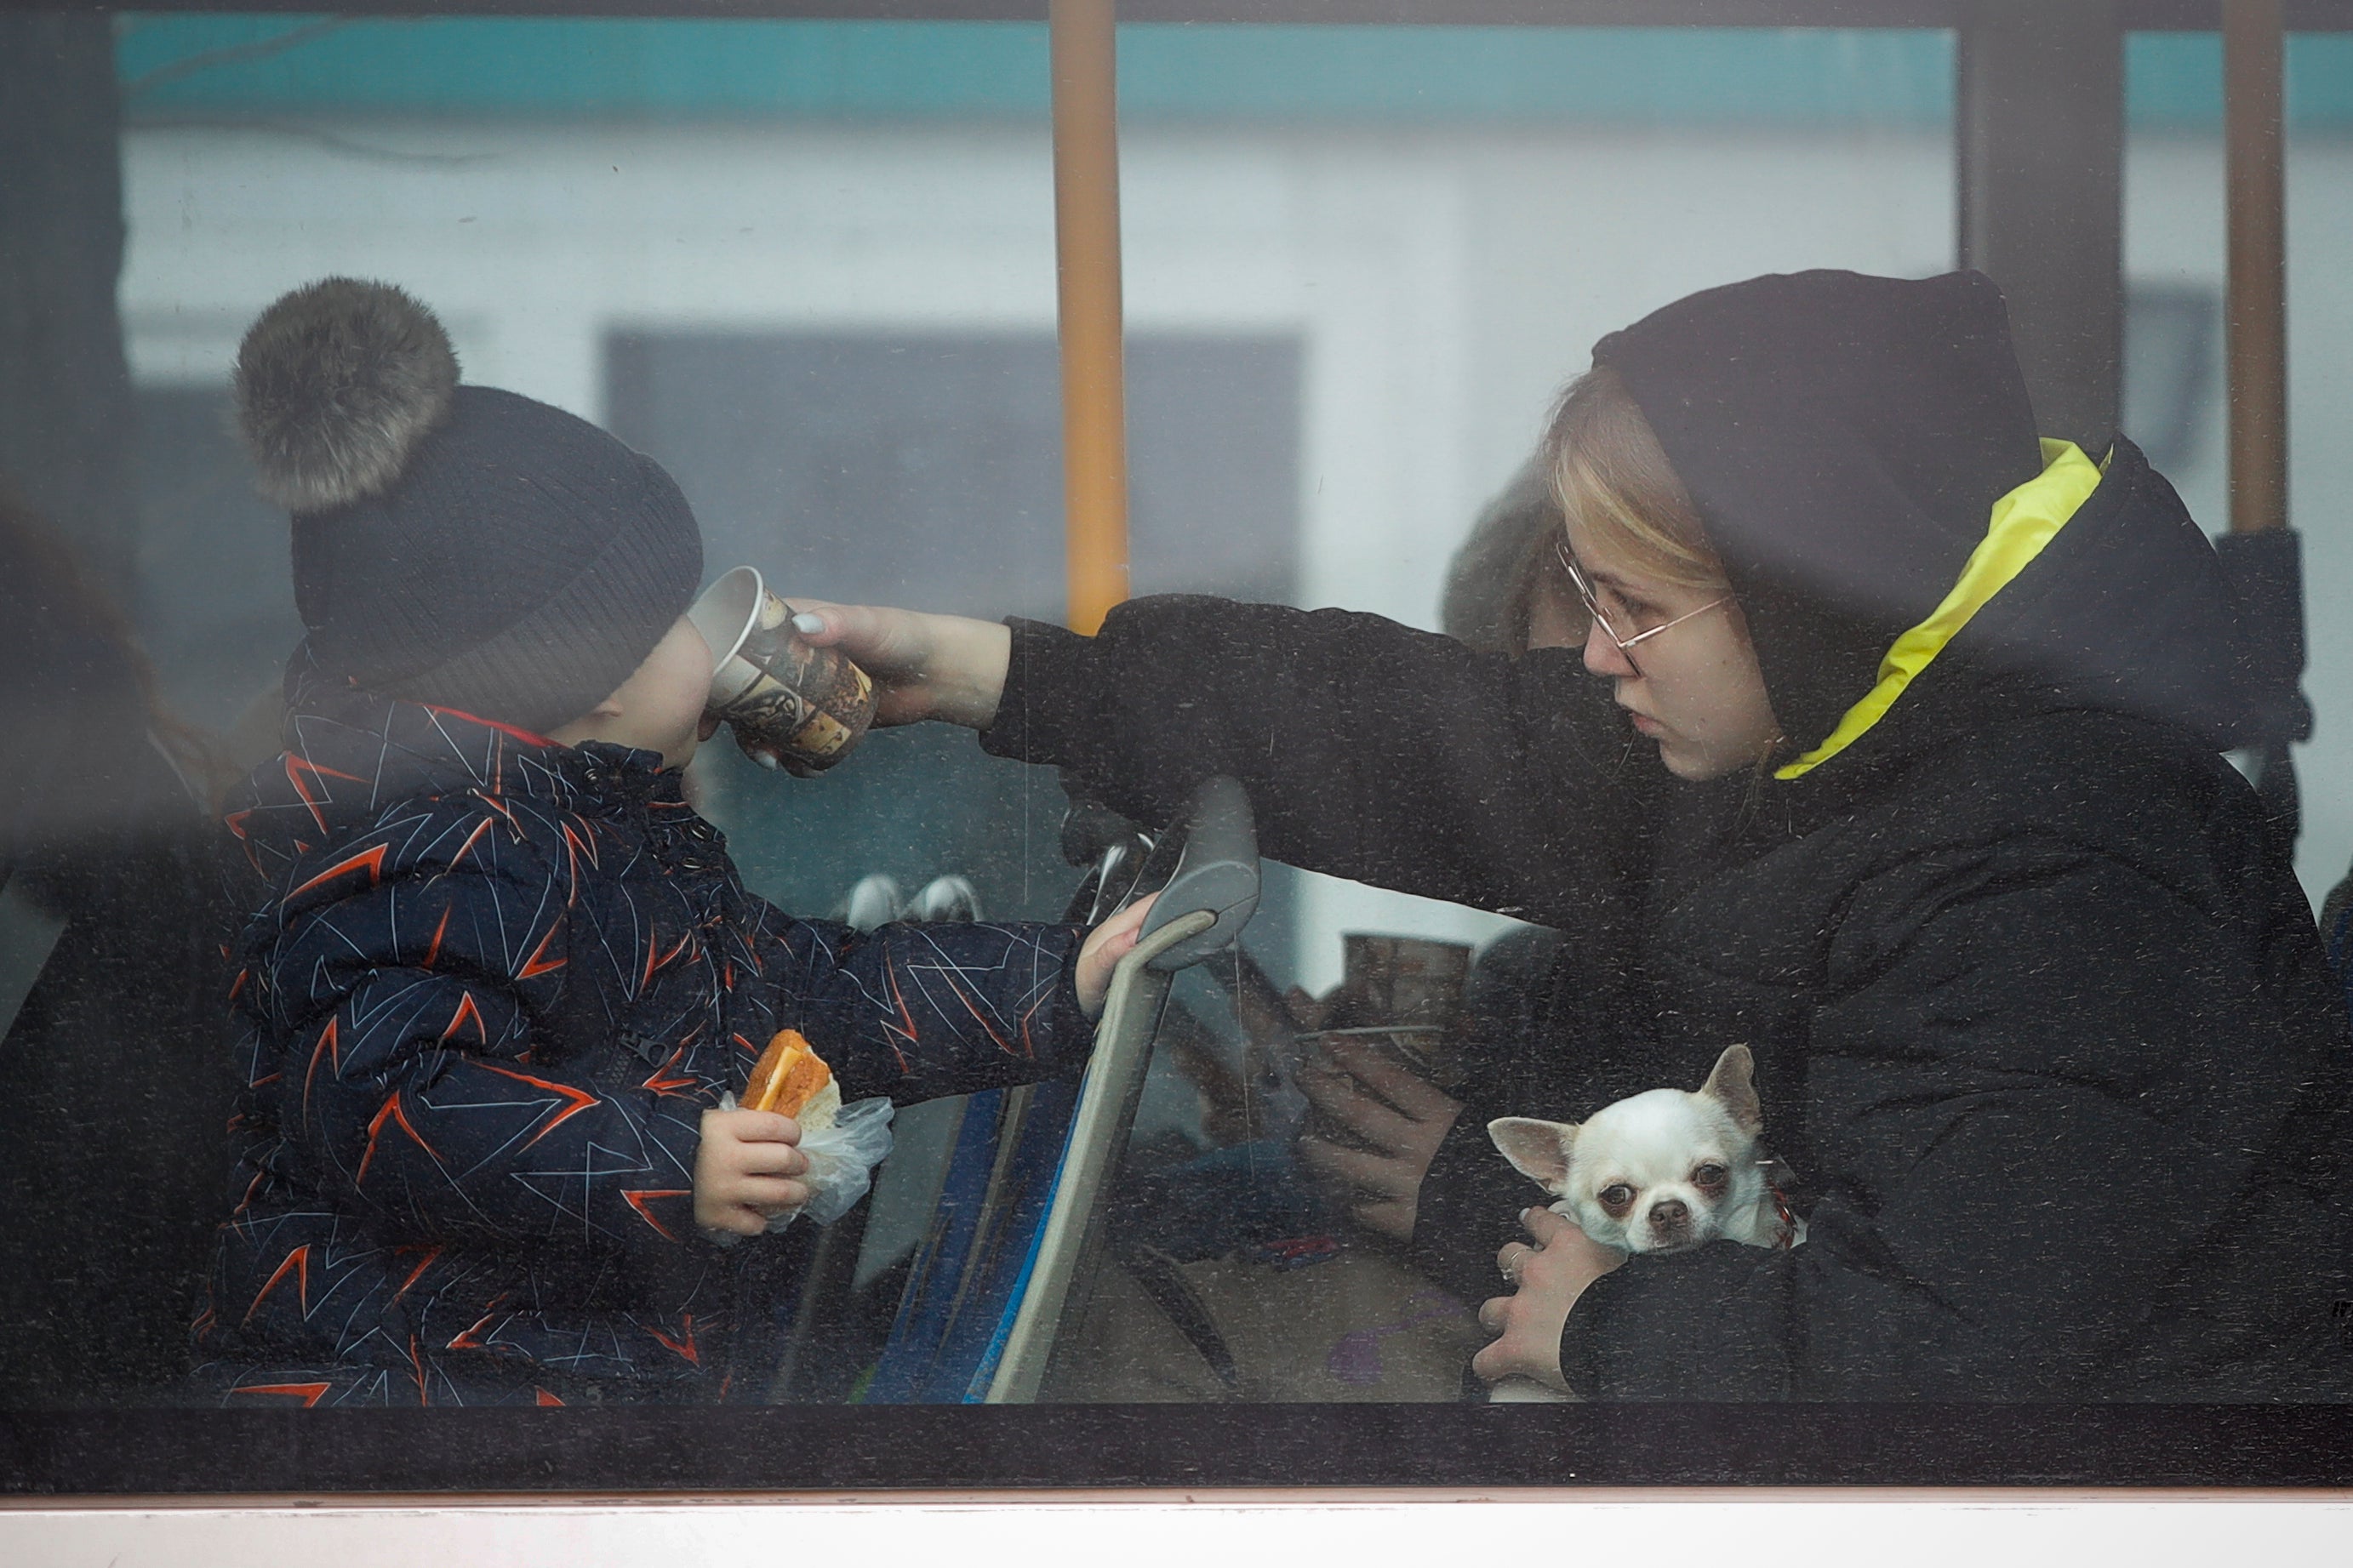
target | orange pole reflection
[
  {"x": 1086, "y": 242},
  {"x": 2256, "y": 310}
]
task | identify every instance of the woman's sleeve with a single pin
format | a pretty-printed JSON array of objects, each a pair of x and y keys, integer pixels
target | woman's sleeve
[
  {"x": 1370, "y": 751},
  {"x": 2058, "y": 1119},
  {"x": 915, "y": 1011}
]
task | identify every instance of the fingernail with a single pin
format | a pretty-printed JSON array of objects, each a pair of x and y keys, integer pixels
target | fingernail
[
  {"x": 806, "y": 622},
  {"x": 767, "y": 760}
]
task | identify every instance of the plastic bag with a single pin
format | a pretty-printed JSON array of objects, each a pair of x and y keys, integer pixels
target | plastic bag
[{"x": 841, "y": 1161}]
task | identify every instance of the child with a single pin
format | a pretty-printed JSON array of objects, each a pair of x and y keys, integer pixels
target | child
[{"x": 498, "y": 972}]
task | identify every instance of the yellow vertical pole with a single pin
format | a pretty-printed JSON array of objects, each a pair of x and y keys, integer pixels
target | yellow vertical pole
[
  {"x": 2256, "y": 307},
  {"x": 1086, "y": 245}
]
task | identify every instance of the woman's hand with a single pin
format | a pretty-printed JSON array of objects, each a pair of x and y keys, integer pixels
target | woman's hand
[
  {"x": 924, "y": 667},
  {"x": 1100, "y": 952},
  {"x": 1550, "y": 1276},
  {"x": 745, "y": 1168},
  {"x": 1391, "y": 1123}
]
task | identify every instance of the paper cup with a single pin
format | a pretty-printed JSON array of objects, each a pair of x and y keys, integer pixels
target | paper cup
[
  {"x": 790, "y": 703},
  {"x": 1393, "y": 980}
]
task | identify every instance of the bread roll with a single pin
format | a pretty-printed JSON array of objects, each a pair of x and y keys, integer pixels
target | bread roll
[{"x": 793, "y": 1081}]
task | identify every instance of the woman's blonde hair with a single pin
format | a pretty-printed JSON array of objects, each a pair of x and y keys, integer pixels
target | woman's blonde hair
[{"x": 1614, "y": 483}]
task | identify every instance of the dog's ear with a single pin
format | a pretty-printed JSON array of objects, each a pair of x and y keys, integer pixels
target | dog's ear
[
  {"x": 1732, "y": 1084},
  {"x": 1537, "y": 1149}
]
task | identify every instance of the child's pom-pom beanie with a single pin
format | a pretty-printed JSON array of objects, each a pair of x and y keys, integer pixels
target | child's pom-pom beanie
[{"x": 457, "y": 545}]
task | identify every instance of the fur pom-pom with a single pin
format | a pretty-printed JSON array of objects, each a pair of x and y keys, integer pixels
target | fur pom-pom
[{"x": 335, "y": 384}]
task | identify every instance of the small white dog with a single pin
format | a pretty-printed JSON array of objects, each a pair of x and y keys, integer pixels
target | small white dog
[
  {"x": 1657, "y": 1172},
  {"x": 1663, "y": 1171}
]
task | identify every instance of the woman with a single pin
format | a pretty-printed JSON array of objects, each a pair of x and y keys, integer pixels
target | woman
[{"x": 1902, "y": 769}]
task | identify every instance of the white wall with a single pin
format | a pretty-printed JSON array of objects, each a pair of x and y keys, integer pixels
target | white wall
[
  {"x": 1444, "y": 283},
  {"x": 2174, "y": 234}
]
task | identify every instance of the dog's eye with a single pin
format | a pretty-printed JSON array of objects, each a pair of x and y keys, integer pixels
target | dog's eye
[
  {"x": 1711, "y": 1177},
  {"x": 1617, "y": 1197}
]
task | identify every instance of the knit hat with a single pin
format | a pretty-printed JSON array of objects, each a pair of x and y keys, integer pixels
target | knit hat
[
  {"x": 457, "y": 545},
  {"x": 1843, "y": 439}
]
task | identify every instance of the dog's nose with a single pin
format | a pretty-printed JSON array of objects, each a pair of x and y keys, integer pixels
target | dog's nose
[{"x": 1670, "y": 1213}]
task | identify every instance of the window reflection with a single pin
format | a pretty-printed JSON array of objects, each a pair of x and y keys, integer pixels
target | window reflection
[{"x": 807, "y": 268}]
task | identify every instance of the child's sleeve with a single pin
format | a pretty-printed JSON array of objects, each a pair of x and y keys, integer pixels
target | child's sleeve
[
  {"x": 427, "y": 1089},
  {"x": 917, "y": 1011}
]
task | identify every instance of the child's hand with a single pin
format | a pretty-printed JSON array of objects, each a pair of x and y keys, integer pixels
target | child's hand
[
  {"x": 742, "y": 1173},
  {"x": 1100, "y": 952}
]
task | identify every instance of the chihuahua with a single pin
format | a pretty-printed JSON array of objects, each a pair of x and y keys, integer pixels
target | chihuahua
[
  {"x": 1657, "y": 1172},
  {"x": 1661, "y": 1171}
]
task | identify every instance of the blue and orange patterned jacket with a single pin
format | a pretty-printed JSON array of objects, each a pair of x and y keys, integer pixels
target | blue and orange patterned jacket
[{"x": 487, "y": 988}]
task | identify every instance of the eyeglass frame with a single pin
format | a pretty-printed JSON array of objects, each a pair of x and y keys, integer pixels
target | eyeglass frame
[{"x": 1625, "y": 646}]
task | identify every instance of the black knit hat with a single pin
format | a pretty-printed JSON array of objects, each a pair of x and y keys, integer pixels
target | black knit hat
[
  {"x": 1843, "y": 439},
  {"x": 457, "y": 545}
]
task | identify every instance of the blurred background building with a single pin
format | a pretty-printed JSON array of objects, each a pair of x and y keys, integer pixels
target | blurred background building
[{"x": 809, "y": 266}]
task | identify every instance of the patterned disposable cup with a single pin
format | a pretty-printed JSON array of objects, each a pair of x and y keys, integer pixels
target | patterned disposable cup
[{"x": 790, "y": 703}]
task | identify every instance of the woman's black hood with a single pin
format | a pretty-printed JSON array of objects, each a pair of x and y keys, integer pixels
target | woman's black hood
[{"x": 1844, "y": 439}]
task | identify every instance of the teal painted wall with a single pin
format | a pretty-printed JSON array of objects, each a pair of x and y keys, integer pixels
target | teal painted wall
[
  {"x": 179, "y": 66},
  {"x": 717, "y": 69}
]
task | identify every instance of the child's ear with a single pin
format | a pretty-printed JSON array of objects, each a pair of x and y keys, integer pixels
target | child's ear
[
  {"x": 1732, "y": 1084},
  {"x": 1537, "y": 1149}
]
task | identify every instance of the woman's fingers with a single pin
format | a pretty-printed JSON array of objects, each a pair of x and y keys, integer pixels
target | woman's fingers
[
  {"x": 1391, "y": 1217},
  {"x": 883, "y": 640},
  {"x": 924, "y": 667},
  {"x": 1411, "y": 1094},
  {"x": 1508, "y": 1357},
  {"x": 1527, "y": 1323},
  {"x": 1375, "y": 1175},
  {"x": 1342, "y": 1104},
  {"x": 1382, "y": 1152},
  {"x": 1382, "y": 1193},
  {"x": 1576, "y": 1254},
  {"x": 888, "y": 644}
]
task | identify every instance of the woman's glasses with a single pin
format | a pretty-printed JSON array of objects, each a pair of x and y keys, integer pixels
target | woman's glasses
[{"x": 1623, "y": 641}]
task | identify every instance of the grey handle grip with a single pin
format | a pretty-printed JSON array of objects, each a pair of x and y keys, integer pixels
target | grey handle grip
[{"x": 1217, "y": 873}]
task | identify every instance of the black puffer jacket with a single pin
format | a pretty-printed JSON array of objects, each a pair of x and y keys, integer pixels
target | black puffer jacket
[
  {"x": 487, "y": 989},
  {"x": 2041, "y": 1017}
]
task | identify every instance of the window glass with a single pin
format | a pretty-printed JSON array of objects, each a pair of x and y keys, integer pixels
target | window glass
[
  {"x": 406, "y": 1021},
  {"x": 2173, "y": 385}
]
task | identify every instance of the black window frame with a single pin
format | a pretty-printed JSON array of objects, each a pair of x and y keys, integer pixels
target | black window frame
[{"x": 737, "y": 1451}]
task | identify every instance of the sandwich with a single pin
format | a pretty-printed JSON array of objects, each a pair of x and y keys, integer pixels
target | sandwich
[{"x": 793, "y": 1081}]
